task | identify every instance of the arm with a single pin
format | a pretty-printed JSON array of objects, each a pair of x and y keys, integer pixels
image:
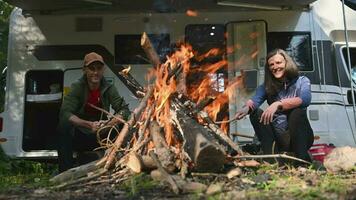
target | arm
[
  {"x": 252, "y": 103},
  {"x": 302, "y": 99},
  {"x": 118, "y": 103},
  {"x": 71, "y": 104},
  {"x": 76, "y": 121}
]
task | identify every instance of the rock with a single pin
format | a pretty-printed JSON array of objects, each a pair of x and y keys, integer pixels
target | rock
[
  {"x": 157, "y": 175},
  {"x": 214, "y": 189},
  {"x": 340, "y": 159},
  {"x": 236, "y": 195},
  {"x": 194, "y": 187},
  {"x": 40, "y": 191},
  {"x": 234, "y": 172}
]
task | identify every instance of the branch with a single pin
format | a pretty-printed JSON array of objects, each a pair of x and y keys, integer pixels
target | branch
[
  {"x": 272, "y": 156},
  {"x": 125, "y": 130}
]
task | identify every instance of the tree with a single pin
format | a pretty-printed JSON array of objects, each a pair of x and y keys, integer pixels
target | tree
[{"x": 5, "y": 11}]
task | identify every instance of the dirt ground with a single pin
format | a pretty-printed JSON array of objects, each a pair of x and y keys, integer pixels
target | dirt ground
[{"x": 265, "y": 183}]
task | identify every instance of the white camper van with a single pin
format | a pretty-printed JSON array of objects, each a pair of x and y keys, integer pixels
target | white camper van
[{"x": 48, "y": 40}]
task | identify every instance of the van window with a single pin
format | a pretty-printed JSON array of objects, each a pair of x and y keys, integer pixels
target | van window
[
  {"x": 296, "y": 44},
  {"x": 353, "y": 61},
  {"x": 204, "y": 37},
  {"x": 128, "y": 48}
]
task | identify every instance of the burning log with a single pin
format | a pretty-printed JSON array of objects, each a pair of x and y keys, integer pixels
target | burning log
[
  {"x": 131, "y": 83},
  {"x": 205, "y": 152},
  {"x": 165, "y": 156},
  {"x": 149, "y": 50}
]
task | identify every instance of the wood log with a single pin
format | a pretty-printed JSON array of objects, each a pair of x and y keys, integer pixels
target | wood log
[
  {"x": 165, "y": 156},
  {"x": 77, "y": 172},
  {"x": 138, "y": 163},
  {"x": 131, "y": 83},
  {"x": 149, "y": 50},
  {"x": 125, "y": 130},
  {"x": 164, "y": 173},
  {"x": 220, "y": 133},
  {"x": 205, "y": 152}
]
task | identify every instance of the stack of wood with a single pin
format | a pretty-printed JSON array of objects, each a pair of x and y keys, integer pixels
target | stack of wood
[{"x": 198, "y": 145}]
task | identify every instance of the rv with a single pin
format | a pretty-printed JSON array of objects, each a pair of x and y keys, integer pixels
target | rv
[{"x": 48, "y": 39}]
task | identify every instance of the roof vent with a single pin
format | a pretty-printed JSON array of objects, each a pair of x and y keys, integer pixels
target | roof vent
[{"x": 88, "y": 24}]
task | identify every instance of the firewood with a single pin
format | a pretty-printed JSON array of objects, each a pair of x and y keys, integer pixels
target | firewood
[
  {"x": 134, "y": 162},
  {"x": 165, "y": 156},
  {"x": 77, "y": 172},
  {"x": 125, "y": 130},
  {"x": 167, "y": 177},
  {"x": 202, "y": 104},
  {"x": 271, "y": 156},
  {"x": 149, "y": 50},
  {"x": 143, "y": 128},
  {"x": 91, "y": 176},
  {"x": 132, "y": 84},
  {"x": 138, "y": 163},
  {"x": 203, "y": 149},
  {"x": 220, "y": 133}
]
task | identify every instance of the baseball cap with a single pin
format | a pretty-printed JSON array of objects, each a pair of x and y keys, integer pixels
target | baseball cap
[{"x": 92, "y": 57}]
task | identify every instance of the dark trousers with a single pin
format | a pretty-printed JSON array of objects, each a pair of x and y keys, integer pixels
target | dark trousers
[
  {"x": 298, "y": 139},
  {"x": 73, "y": 140}
]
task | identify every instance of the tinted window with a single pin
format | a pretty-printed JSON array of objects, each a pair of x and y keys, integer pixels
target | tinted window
[
  {"x": 296, "y": 44},
  {"x": 128, "y": 48},
  {"x": 204, "y": 37}
]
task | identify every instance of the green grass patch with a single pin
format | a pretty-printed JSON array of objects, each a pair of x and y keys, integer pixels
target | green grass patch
[
  {"x": 23, "y": 173},
  {"x": 138, "y": 183}
]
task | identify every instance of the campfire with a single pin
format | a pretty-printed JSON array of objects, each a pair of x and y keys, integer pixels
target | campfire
[{"x": 178, "y": 128}]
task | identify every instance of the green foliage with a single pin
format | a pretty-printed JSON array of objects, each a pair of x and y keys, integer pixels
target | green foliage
[
  {"x": 15, "y": 173},
  {"x": 138, "y": 183},
  {"x": 5, "y": 11}
]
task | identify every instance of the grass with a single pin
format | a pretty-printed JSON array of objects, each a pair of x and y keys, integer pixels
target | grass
[
  {"x": 307, "y": 184},
  {"x": 23, "y": 173},
  {"x": 137, "y": 184}
]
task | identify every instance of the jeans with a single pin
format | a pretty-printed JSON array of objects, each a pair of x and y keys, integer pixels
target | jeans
[{"x": 298, "y": 138}]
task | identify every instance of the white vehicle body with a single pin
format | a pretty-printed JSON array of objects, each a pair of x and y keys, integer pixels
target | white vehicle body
[{"x": 41, "y": 68}]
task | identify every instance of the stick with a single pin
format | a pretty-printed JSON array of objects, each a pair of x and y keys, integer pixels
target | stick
[
  {"x": 167, "y": 176},
  {"x": 219, "y": 132},
  {"x": 99, "y": 173},
  {"x": 125, "y": 130},
  {"x": 202, "y": 104},
  {"x": 108, "y": 113},
  {"x": 243, "y": 135},
  {"x": 273, "y": 156}
]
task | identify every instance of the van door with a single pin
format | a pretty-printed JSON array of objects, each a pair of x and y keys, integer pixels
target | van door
[
  {"x": 246, "y": 55},
  {"x": 346, "y": 134}
]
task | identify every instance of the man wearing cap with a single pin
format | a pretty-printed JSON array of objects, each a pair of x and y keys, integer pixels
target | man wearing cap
[{"x": 78, "y": 120}]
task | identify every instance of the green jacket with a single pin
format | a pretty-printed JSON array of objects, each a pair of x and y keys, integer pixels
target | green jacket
[{"x": 74, "y": 102}]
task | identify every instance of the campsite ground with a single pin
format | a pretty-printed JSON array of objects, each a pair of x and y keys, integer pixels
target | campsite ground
[{"x": 30, "y": 180}]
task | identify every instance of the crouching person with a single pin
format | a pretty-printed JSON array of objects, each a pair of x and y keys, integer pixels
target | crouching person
[
  {"x": 78, "y": 121},
  {"x": 284, "y": 122}
]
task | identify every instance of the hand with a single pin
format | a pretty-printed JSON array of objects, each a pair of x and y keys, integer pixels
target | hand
[
  {"x": 267, "y": 115},
  {"x": 242, "y": 113},
  {"x": 94, "y": 126}
]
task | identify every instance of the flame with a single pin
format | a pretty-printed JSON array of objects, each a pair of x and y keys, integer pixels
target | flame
[
  {"x": 204, "y": 80},
  {"x": 191, "y": 13}
]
